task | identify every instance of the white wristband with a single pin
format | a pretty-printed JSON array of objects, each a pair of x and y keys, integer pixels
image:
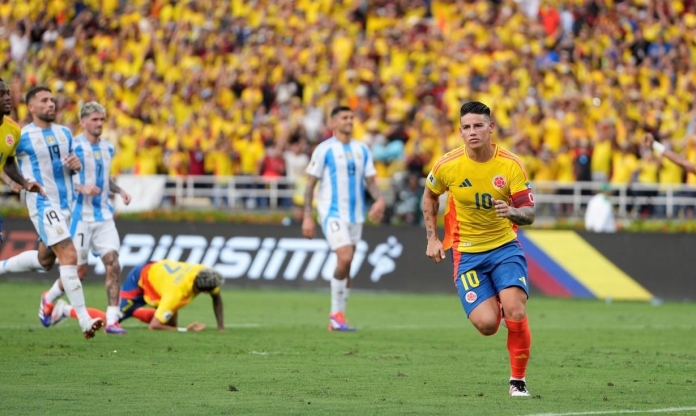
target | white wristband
[
  {"x": 658, "y": 147},
  {"x": 180, "y": 329}
]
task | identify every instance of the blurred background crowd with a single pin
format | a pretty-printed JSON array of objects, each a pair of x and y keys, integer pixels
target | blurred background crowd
[{"x": 243, "y": 87}]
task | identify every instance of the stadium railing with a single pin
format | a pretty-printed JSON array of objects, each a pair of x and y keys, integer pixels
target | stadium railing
[{"x": 553, "y": 199}]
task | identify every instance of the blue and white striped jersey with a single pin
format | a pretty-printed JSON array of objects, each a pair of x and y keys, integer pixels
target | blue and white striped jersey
[
  {"x": 96, "y": 165},
  {"x": 40, "y": 154},
  {"x": 341, "y": 169}
]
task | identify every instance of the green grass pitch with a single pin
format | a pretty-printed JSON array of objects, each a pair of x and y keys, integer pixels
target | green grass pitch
[{"x": 412, "y": 355}]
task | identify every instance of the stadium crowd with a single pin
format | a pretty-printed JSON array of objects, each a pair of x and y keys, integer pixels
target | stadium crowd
[{"x": 243, "y": 87}]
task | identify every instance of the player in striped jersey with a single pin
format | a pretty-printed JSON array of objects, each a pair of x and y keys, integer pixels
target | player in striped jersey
[
  {"x": 10, "y": 133},
  {"x": 481, "y": 230},
  {"x": 343, "y": 166},
  {"x": 93, "y": 227},
  {"x": 45, "y": 154}
]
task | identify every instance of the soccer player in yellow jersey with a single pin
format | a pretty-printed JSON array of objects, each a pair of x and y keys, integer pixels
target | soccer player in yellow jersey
[
  {"x": 488, "y": 197},
  {"x": 10, "y": 132},
  {"x": 166, "y": 286}
]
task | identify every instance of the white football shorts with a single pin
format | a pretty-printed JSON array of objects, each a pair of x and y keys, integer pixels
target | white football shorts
[
  {"x": 99, "y": 237},
  {"x": 340, "y": 233},
  {"x": 52, "y": 225}
]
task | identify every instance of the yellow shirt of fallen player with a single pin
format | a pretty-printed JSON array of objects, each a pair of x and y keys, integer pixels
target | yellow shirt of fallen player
[
  {"x": 471, "y": 225},
  {"x": 9, "y": 139},
  {"x": 167, "y": 286}
]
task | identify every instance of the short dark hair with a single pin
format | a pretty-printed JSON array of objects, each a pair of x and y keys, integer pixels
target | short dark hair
[
  {"x": 35, "y": 90},
  {"x": 339, "y": 109},
  {"x": 474, "y": 107}
]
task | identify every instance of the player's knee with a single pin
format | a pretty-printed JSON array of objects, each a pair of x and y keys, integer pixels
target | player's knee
[
  {"x": 47, "y": 262},
  {"x": 343, "y": 260},
  {"x": 487, "y": 328},
  {"x": 116, "y": 267},
  {"x": 342, "y": 270},
  {"x": 516, "y": 314},
  {"x": 514, "y": 303},
  {"x": 110, "y": 260},
  {"x": 68, "y": 258},
  {"x": 486, "y": 320},
  {"x": 515, "y": 311},
  {"x": 66, "y": 253}
]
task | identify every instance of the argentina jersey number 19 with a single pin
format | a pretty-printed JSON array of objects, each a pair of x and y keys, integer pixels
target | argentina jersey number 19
[{"x": 41, "y": 154}]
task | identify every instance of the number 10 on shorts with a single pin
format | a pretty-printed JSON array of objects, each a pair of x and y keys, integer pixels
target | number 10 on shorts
[{"x": 469, "y": 279}]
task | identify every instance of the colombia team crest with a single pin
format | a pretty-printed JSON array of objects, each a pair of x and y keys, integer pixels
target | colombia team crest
[
  {"x": 499, "y": 182},
  {"x": 471, "y": 297},
  {"x": 9, "y": 140}
]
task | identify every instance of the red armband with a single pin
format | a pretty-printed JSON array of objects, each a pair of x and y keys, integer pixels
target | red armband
[{"x": 523, "y": 199}]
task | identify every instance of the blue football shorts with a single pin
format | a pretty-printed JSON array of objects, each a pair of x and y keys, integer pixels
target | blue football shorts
[{"x": 480, "y": 276}]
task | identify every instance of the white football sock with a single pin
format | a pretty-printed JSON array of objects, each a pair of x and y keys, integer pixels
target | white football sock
[
  {"x": 344, "y": 301},
  {"x": 73, "y": 289},
  {"x": 112, "y": 315},
  {"x": 338, "y": 295},
  {"x": 54, "y": 292},
  {"x": 27, "y": 261}
]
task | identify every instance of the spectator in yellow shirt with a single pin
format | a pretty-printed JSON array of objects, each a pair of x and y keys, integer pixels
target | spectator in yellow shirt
[{"x": 646, "y": 173}]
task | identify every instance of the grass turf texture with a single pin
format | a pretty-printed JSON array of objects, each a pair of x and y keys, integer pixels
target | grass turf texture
[{"x": 413, "y": 354}]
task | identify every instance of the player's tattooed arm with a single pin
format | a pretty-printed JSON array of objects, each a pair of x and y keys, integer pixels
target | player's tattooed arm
[
  {"x": 522, "y": 215},
  {"x": 309, "y": 194},
  {"x": 117, "y": 190},
  {"x": 113, "y": 186},
  {"x": 431, "y": 208}
]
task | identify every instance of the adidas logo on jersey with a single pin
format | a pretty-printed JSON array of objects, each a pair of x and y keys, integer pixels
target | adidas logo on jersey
[{"x": 465, "y": 184}]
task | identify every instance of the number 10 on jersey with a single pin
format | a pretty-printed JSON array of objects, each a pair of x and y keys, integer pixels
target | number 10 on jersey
[
  {"x": 484, "y": 201},
  {"x": 469, "y": 279}
]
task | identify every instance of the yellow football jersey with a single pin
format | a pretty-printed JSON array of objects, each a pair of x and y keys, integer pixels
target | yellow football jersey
[
  {"x": 168, "y": 286},
  {"x": 471, "y": 224},
  {"x": 10, "y": 133}
]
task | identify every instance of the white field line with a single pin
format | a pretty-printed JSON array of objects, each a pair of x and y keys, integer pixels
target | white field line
[{"x": 620, "y": 412}]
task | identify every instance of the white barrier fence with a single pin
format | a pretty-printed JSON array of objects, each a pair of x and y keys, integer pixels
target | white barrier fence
[{"x": 553, "y": 199}]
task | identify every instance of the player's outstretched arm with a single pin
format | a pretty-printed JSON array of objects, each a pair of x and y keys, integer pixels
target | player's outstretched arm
[
  {"x": 156, "y": 325},
  {"x": 431, "y": 208},
  {"x": 680, "y": 160},
  {"x": 217, "y": 307},
  {"x": 661, "y": 150},
  {"x": 11, "y": 170},
  {"x": 308, "y": 221},
  {"x": 377, "y": 210}
]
